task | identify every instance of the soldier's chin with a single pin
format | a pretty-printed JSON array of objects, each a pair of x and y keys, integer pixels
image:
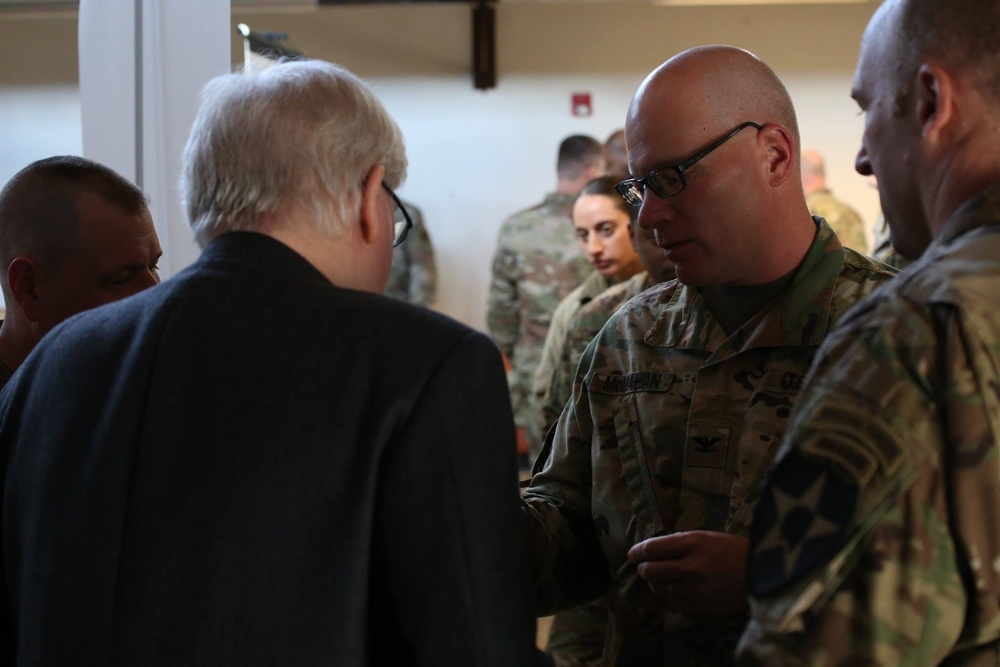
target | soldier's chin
[{"x": 689, "y": 275}]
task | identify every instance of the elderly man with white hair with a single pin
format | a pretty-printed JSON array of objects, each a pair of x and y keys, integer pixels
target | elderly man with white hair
[{"x": 245, "y": 465}]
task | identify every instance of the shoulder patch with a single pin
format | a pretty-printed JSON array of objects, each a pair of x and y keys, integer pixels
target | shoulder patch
[{"x": 801, "y": 521}]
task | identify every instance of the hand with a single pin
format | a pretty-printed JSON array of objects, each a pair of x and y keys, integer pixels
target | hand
[{"x": 700, "y": 571}]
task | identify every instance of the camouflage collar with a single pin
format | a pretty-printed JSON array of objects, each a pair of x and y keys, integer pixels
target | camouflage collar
[{"x": 799, "y": 316}]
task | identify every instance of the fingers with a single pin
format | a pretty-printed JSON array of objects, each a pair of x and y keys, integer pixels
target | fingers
[{"x": 661, "y": 547}]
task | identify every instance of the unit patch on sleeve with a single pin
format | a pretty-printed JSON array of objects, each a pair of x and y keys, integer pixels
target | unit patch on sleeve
[{"x": 801, "y": 521}]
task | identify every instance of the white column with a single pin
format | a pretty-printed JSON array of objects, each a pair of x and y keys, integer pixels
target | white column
[{"x": 142, "y": 66}]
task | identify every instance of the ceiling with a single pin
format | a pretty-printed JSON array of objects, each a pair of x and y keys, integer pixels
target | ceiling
[{"x": 31, "y": 5}]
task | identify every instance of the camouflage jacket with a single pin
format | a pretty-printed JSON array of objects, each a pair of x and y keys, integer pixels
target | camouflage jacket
[
  {"x": 672, "y": 427},
  {"x": 844, "y": 220},
  {"x": 877, "y": 541},
  {"x": 555, "y": 347},
  {"x": 538, "y": 262},
  {"x": 413, "y": 275},
  {"x": 582, "y": 328}
]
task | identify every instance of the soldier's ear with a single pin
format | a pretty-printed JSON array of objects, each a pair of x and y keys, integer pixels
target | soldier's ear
[
  {"x": 26, "y": 279},
  {"x": 778, "y": 150}
]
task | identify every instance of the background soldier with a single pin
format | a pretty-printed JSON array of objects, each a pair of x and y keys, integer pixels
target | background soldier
[
  {"x": 844, "y": 220},
  {"x": 413, "y": 276},
  {"x": 537, "y": 263}
]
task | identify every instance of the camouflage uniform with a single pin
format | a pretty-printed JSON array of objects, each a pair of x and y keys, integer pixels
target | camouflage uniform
[
  {"x": 877, "y": 541},
  {"x": 576, "y": 637},
  {"x": 538, "y": 262},
  {"x": 883, "y": 250},
  {"x": 672, "y": 427},
  {"x": 555, "y": 347},
  {"x": 846, "y": 222},
  {"x": 582, "y": 328},
  {"x": 413, "y": 276}
]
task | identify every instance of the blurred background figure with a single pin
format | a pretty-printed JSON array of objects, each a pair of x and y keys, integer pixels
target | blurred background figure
[
  {"x": 413, "y": 276},
  {"x": 537, "y": 263},
  {"x": 844, "y": 220},
  {"x": 616, "y": 155}
]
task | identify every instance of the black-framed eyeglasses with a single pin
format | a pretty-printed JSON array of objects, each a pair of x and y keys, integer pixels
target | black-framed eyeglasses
[
  {"x": 400, "y": 219},
  {"x": 669, "y": 181}
]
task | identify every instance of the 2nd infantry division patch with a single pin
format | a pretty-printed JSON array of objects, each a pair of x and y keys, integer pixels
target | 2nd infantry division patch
[{"x": 801, "y": 521}]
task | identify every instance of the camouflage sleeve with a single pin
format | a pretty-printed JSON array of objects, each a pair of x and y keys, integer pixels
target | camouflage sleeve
[
  {"x": 560, "y": 387},
  {"x": 876, "y": 542},
  {"x": 569, "y": 566},
  {"x": 503, "y": 314},
  {"x": 422, "y": 266},
  {"x": 552, "y": 354},
  {"x": 579, "y": 333}
]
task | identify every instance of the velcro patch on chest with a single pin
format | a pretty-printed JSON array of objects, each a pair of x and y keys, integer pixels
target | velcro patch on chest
[{"x": 629, "y": 383}]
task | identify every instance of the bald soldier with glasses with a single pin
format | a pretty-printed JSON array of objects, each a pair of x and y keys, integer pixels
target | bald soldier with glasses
[{"x": 659, "y": 457}]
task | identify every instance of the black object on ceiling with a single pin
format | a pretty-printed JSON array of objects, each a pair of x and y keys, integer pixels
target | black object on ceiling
[{"x": 262, "y": 44}]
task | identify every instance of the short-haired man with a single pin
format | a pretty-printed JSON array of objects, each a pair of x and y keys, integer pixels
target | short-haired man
[
  {"x": 656, "y": 464},
  {"x": 242, "y": 466},
  {"x": 877, "y": 541},
  {"x": 74, "y": 235},
  {"x": 844, "y": 220},
  {"x": 616, "y": 154},
  {"x": 537, "y": 263}
]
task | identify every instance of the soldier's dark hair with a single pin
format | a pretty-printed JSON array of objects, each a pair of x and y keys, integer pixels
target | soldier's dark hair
[
  {"x": 38, "y": 213},
  {"x": 960, "y": 33},
  {"x": 605, "y": 186},
  {"x": 576, "y": 153}
]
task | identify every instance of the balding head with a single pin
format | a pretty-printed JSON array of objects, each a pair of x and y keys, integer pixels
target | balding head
[
  {"x": 721, "y": 117},
  {"x": 721, "y": 85},
  {"x": 961, "y": 34},
  {"x": 928, "y": 79}
]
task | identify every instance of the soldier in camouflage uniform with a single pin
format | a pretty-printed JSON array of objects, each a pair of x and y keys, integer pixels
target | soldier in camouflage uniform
[
  {"x": 844, "y": 220},
  {"x": 657, "y": 462},
  {"x": 603, "y": 225},
  {"x": 587, "y": 322},
  {"x": 413, "y": 276},
  {"x": 877, "y": 541},
  {"x": 576, "y": 637},
  {"x": 537, "y": 263}
]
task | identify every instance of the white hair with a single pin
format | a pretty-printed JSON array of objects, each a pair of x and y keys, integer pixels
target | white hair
[{"x": 303, "y": 133}]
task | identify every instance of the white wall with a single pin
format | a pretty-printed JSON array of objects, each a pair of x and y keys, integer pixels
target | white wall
[{"x": 475, "y": 156}]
